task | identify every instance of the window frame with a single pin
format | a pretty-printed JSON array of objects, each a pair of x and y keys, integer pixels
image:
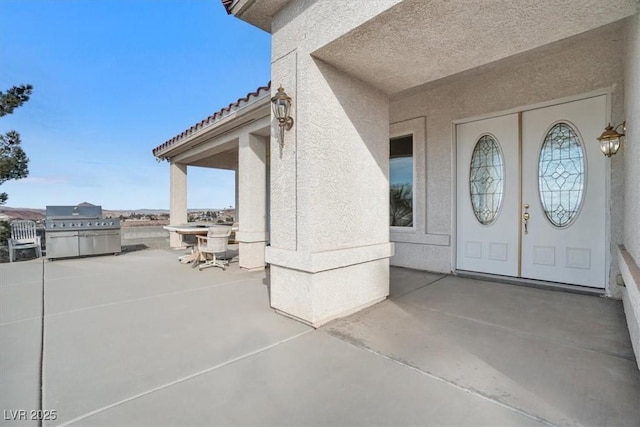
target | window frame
[
  {"x": 416, "y": 129},
  {"x": 413, "y": 180}
]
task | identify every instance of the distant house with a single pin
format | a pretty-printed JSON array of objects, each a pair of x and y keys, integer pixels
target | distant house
[{"x": 484, "y": 116}]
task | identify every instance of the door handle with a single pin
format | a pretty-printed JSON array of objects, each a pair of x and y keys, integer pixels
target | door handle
[{"x": 525, "y": 217}]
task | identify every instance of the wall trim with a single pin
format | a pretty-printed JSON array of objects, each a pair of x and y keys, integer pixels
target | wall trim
[
  {"x": 631, "y": 297},
  {"x": 416, "y": 127},
  {"x": 421, "y": 239},
  {"x": 608, "y": 91},
  {"x": 252, "y": 236},
  {"x": 327, "y": 260}
]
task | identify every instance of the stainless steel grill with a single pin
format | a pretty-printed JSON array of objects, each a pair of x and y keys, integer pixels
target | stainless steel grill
[{"x": 73, "y": 231}]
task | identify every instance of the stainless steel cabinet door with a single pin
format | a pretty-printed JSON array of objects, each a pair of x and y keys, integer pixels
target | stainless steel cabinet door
[{"x": 62, "y": 244}]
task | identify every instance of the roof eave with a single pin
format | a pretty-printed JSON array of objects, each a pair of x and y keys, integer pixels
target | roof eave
[
  {"x": 232, "y": 116},
  {"x": 257, "y": 13}
]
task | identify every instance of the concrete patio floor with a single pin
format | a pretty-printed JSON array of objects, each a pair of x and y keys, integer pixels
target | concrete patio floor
[{"x": 140, "y": 339}]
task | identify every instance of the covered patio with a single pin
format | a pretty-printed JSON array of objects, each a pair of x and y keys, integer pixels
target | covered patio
[
  {"x": 140, "y": 339},
  {"x": 234, "y": 138}
]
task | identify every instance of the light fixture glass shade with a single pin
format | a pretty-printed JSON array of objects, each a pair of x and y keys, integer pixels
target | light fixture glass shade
[
  {"x": 610, "y": 140},
  {"x": 281, "y": 104},
  {"x": 281, "y": 110},
  {"x": 610, "y": 146}
]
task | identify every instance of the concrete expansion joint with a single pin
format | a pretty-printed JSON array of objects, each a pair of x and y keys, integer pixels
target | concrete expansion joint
[
  {"x": 417, "y": 289},
  {"x": 467, "y": 390},
  {"x": 183, "y": 379},
  {"x": 95, "y": 307},
  {"x": 29, "y": 282},
  {"x": 29, "y": 319}
]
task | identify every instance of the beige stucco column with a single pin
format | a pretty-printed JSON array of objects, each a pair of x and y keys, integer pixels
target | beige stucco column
[
  {"x": 252, "y": 201},
  {"x": 330, "y": 246},
  {"x": 178, "y": 200},
  {"x": 236, "y": 177}
]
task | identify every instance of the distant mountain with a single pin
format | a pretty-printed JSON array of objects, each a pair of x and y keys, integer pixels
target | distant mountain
[
  {"x": 39, "y": 214},
  {"x": 22, "y": 213},
  {"x": 125, "y": 212}
]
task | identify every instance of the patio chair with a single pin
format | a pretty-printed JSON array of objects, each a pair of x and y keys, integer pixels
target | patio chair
[
  {"x": 23, "y": 236},
  {"x": 214, "y": 243}
]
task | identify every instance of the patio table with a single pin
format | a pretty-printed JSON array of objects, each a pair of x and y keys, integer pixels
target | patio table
[{"x": 193, "y": 230}]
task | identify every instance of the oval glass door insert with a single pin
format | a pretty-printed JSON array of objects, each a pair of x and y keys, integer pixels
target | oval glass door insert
[
  {"x": 486, "y": 179},
  {"x": 561, "y": 175}
]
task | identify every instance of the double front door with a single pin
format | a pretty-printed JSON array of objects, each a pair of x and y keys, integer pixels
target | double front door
[{"x": 531, "y": 194}]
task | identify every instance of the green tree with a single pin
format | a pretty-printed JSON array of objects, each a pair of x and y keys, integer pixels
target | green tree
[
  {"x": 13, "y": 160},
  {"x": 401, "y": 205}
]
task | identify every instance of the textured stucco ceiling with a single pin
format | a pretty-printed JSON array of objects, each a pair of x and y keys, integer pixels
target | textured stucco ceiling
[
  {"x": 223, "y": 160},
  {"x": 419, "y": 41}
]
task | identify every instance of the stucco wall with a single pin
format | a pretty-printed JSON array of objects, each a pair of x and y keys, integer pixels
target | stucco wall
[
  {"x": 346, "y": 164},
  {"x": 630, "y": 261},
  {"x": 632, "y": 146},
  {"x": 563, "y": 69},
  {"x": 327, "y": 177}
]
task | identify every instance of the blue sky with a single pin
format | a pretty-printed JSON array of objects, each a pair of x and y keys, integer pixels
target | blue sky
[{"x": 112, "y": 80}]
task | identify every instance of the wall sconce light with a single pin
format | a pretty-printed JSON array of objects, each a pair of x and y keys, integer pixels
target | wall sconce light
[
  {"x": 610, "y": 139},
  {"x": 281, "y": 109}
]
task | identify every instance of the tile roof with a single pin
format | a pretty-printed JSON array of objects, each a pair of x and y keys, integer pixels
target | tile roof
[
  {"x": 212, "y": 118},
  {"x": 227, "y": 5}
]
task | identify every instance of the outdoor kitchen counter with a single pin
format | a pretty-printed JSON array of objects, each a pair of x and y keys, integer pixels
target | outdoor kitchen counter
[{"x": 76, "y": 231}]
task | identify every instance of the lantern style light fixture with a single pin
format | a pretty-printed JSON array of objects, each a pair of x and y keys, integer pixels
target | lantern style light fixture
[
  {"x": 281, "y": 109},
  {"x": 610, "y": 139}
]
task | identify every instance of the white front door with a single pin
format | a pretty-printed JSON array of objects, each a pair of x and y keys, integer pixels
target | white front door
[
  {"x": 546, "y": 167},
  {"x": 488, "y": 195}
]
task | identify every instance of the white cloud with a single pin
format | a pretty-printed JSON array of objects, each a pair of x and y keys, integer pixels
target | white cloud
[{"x": 44, "y": 180}]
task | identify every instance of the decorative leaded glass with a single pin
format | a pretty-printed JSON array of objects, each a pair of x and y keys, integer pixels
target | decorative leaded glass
[
  {"x": 486, "y": 179},
  {"x": 561, "y": 174}
]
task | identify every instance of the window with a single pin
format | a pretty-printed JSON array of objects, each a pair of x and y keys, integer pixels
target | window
[
  {"x": 486, "y": 179},
  {"x": 401, "y": 181},
  {"x": 561, "y": 174}
]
